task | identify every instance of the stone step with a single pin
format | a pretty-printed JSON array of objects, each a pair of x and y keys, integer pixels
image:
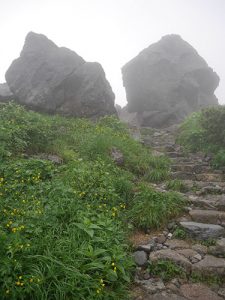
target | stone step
[
  {"x": 183, "y": 175},
  {"x": 198, "y": 291},
  {"x": 210, "y": 265},
  {"x": 203, "y": 231},
  {"x": 184, "y": 159},
  {"x": 208, "y": 216},
  {"x": 215, "y": 202},
  {"x": 210, "y": 177},
  {"x": 174, "y": 154},
  {"x": 190, "y": 168},
  {"x": 218, "y": 249},
  {"x": 181, "y": 160},
  {"x": 173, "y": 256},
  {"x": 217, "y": 188},
  {"x": 205, "y": 187},
  {"x": 206, "y": 177}
]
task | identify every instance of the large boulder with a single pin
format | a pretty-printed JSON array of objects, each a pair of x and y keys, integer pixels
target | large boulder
[
  {"x": 167, "y": 81},
  {"x": 5, "y": 93},
  {"x": 54, "y": 79}
]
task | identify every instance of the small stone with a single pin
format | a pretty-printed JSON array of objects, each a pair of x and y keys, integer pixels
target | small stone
[
  {"x": 201, "y": 249},
  {"x": 172, "y": 287},
  {"x": 169, "y": 236},
  {"x": 176, "y": 282},
  {"x": 117, "y": 156},
  {"x": 153, "y": 286},
  {"x": 198, "y": 256},
  {"x": 177, "y": 244},
  {"x": 154, "y": 239},
  {"x": 171, "y": 225},
  {"x": 159, "y": 246},
  {"x": 221, "y": 292},
  {"x": 161, "y": 238},
  {"x": 155, "y": 134},
  {"x": 140, "y": 258},
  {"x": 182, "y": 281},
  {"x": 194, "y": 260},
  {"x": 146, "y": 276},
  {"x": 146, "y": 248}
]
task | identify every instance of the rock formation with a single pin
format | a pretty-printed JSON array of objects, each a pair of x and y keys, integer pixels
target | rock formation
[
  {"x": 167, "y": 81},
  {"x": 5, "y": 93},
  {"x": 55, "y": 79}
]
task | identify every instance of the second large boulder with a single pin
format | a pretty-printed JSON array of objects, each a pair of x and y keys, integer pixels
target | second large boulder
[{"x": 167, "y": 81}]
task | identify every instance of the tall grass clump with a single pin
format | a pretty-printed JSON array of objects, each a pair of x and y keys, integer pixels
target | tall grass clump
[{"x": 152, "y": 209}]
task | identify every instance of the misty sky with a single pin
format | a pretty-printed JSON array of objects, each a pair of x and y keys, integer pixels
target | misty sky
[{"x": 114, "y": 31}]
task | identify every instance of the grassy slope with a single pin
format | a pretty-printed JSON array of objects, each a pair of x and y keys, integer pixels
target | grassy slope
[
  {"x": 205, "y": 131},
  {"x": 63, "y": 228}
]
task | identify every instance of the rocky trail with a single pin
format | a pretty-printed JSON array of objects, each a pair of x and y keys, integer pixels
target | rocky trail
[{"x": 194, "y": 242}]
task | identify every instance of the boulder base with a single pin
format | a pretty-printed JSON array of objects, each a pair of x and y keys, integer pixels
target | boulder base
[{"x": 5, "y": 94}]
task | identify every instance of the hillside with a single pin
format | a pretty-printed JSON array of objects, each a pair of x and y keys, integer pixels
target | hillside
[
  {"x": 69, "y": 189},
  {"x": 87, "y": 212}
]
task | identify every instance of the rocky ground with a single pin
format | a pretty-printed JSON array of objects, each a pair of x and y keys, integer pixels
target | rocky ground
[{"x": 195, "y": 241}]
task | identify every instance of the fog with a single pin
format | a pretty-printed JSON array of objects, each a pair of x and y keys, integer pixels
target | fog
[{"x": 112, "y": 32}]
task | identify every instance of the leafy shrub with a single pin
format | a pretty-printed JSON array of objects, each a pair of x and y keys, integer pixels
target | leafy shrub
[{"x": 58, "y": 245}]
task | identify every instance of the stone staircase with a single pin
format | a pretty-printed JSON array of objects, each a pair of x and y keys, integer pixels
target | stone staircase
[{"x": 201, "y": 251}]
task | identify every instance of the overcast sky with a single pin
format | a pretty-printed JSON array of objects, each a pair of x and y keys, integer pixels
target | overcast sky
[{"x": 114, "y": 31}]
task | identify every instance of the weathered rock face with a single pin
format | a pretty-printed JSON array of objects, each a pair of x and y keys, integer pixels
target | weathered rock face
[
  {"x": 5, "y": 93},
  {"x": 55, "y": 79},
  {"x": 167, "y": 81}
]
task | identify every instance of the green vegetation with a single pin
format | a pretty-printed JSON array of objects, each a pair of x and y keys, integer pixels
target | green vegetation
[
  {"x": 180, "y": 233},
  {"x": 205, "y": 131},
  {"x": 211, "y": 280},
  {"x": 147, "y": 131},
  {"x": 63, "y": 227},
  {"x": 153, "y": 209},
  {"x": 166, "y": 270},
  {"x": 176, "y": 185},
  {"x": 208, "y": 242}
]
